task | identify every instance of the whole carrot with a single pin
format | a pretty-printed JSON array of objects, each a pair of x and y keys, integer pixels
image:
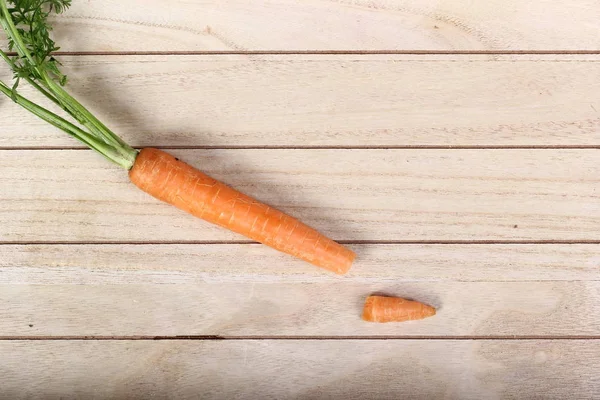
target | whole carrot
[
  {"x": 394, "y": 309},
  {"x": 26, "y": 23},
  {"x": 175, "y": 182}
]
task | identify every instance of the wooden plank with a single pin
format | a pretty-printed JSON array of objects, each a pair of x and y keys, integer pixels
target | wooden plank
[
  {"x": 251, "y": 263},
  {"x": 330, "y": 101},
  {"x": 301, "y": 369},
  {"x": 239, "y": 25},
  {"x": 373, "y": 195},
  {"x": 233, "y": 309},
  {"x": 151, "y": 290}
]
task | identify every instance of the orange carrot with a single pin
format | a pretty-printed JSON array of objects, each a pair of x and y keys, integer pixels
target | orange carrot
[
  {"x": 394, "y": 309},
  {"x": 175, "y": 182},
  {"x": 154, "y": 171}
]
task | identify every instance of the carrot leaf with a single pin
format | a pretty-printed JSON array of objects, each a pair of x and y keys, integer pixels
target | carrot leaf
[{"x": 26, "y": 25}]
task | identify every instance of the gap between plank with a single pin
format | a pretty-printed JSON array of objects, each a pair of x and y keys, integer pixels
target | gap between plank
[
  {"x": 327, "y": 52},
  {"x": 331, "y": 147},
  {"x": 288, "y": 338},
  {"x": 322, "y": 52},
  {"x": 348, "y": 242}
]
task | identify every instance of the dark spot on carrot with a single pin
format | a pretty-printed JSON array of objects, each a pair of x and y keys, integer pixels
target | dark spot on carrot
[
  {"x": 31, "y": 325},
  {"x": 436, "y": 27},
  {"x": 516, "y": 226}
]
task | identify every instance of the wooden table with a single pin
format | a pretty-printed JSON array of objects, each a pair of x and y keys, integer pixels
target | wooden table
[{"x": 452, "y": 144}]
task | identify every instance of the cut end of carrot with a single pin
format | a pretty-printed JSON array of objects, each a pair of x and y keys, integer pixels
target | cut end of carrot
[
  {"x": 343, "y": 262},
  {"x": 394, "y": 309}
]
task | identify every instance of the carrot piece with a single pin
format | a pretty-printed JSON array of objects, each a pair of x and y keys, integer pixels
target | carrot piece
[
  {"x": 177, "y": 183},
  {"x": 394, "y": 309}
]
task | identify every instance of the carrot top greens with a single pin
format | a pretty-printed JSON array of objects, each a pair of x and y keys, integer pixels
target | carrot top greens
[{"x": 28, "y": 30}]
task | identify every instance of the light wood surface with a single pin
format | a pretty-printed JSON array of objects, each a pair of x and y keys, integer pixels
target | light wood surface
[
  {"x": 239, "y": 290},
  {"x": 392, "y": 369},
  {"x": 366, "y": 100},
  {"x": 373, "y": 195},
  {"x": 242, "y": 25},
  {"x": 247, "y": 308},
  {"x": 454, "y": 145},
  {"x": 119, "y": 264}
]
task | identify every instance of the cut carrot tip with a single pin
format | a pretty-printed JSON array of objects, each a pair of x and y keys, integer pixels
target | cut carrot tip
[{"x": 394, "y": 309}]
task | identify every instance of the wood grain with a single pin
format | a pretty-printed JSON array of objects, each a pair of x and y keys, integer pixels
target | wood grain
[
  {"x": 301, "y": 369},
  {"x": 119, "y": 264},
  {"x": 242, "y": 25},
  {"x": 233, "y": 309},
  {"x": 373, "y": 195},
  {"x": 226, "y": 101}
]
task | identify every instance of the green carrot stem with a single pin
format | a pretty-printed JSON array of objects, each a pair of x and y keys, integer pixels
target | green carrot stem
[
  {"x": 71, "y": 129},
  {"x": 26, "y": 25}
]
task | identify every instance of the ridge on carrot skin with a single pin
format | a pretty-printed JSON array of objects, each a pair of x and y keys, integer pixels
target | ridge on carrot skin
[{"x": 384, "y": 309}]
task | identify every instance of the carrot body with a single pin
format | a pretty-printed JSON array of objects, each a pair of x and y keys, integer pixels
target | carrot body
[
  {"x": 394, "y": 309},
  {"x": 175, "y": 182}
]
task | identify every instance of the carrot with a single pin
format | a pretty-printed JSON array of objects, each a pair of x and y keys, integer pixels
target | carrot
[
  {"x": 175, "y": 182},
  {"x": 394, "y": 309},
  {"x": 27, "y": 25}
]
